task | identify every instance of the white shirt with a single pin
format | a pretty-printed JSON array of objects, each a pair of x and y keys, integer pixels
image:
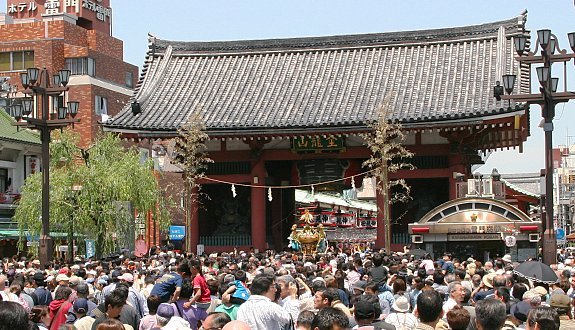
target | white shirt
[{"x": 261, "y": 313}]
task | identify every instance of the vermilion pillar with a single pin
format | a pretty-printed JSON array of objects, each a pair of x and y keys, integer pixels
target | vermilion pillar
[{"x": 258, "y": 200}]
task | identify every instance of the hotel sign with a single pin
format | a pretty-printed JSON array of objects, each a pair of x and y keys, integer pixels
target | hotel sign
[
  {"x": 55, "y": 7},
  {"x": 473, "y": 237},
  {"x": 318, "y": 144}
]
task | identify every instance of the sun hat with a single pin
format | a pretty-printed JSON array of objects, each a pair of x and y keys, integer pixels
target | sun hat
[
  {"x": 401, "y": 304},
  {"x": 126, "y": 277},
  {"x": 488, "y": 280},
  {"x": 62, "y": 277}
]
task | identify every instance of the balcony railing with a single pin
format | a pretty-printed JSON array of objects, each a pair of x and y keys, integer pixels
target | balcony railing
[
  {"x": 226, "y": 240},
  {"x": 485, "y": 188}
]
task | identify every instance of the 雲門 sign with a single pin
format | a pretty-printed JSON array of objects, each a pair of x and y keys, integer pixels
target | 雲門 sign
[{"x": 177, "y": 233}]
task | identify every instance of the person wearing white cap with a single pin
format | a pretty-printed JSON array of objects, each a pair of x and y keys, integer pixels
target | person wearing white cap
[
  {"x": 400, "y": 317},
  {"x": 135, "y": 298}
]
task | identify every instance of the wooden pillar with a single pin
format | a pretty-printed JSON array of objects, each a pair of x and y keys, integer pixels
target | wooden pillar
[
  {"x": 381, "y": 226},
  {"x": 258, "y": 206},
  {"x": 194, "y": 222}
]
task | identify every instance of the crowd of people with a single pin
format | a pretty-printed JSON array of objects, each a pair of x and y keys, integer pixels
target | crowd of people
[{"x": 168, "y": 289}]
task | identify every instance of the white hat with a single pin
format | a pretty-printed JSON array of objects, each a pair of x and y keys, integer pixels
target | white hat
[
  {"x": 401, "y": 304},
  {"x": 506, "y": 258},
  {"x": 62, "y": 277}
]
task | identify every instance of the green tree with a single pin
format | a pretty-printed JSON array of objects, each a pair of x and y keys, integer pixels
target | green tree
[
  {"x": 388, "y": 156},
  {"x": 86, "y": 187},
  {"x": 192, "y": 158}
]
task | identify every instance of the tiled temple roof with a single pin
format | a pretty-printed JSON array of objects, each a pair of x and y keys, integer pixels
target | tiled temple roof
[{"x": 334, "y": 83}]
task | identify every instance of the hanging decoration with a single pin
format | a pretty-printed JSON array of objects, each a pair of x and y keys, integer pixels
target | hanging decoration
[{"x": 270, "y": 198}]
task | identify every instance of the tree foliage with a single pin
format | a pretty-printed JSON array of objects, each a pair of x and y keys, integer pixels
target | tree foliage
[
  {"x": 192, "y": 158},
  {"x": 192, "y": 153},
  {"x": 388, "y": 155},
  {"x": 87, "y": 187}
]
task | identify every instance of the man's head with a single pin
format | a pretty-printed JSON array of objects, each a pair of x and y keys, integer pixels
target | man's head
[
  {"x": 13, "y": 316},
  {"x": 285, "y": 282},
  {"x": 429, "y": 306},
  {"x": 456, "y": 291},
  {"x": 114, "y": 303},
  {"x": 330, "y": 318},
  {"x": 264, "y": 285},
  {"x": 82, "y": 290},
  {"x": 458, "y": 318},
  {"x": 216, "y": 321},
  {"x": 364, "y": 312},
  {"x": 319, "y": 301},
  {"x": 490, "y": 314},
  {"x": 236, "y": 325}
]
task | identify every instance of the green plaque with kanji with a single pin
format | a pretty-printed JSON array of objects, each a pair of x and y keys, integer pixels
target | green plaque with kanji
[{"x": 318, "y": 144}]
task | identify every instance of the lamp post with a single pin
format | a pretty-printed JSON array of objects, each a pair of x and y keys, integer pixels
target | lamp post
[
  {"x": 547, "y": 98},
  {"x": 38, "y": 85}
]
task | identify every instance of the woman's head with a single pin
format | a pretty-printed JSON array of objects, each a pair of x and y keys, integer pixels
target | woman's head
[{"x": 39, "y": 314}]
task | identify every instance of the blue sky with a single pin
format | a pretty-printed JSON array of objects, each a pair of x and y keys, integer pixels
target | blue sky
[{"x": 262, "y": 19}]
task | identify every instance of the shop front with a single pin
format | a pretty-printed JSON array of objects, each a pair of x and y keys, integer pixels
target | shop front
[{"x": 478, "y": 227}]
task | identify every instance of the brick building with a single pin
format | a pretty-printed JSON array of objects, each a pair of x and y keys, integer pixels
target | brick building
[
  {"x": 56, "y": 35},
  {"x": 74, "y": 35}
]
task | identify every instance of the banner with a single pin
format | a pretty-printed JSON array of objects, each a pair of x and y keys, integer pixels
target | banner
[
  {"x": 177, "y": 233},
  {"x": 90, "y": 248}
]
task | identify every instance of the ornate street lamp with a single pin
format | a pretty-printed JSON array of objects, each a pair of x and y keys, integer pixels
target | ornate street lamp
[
  {"x": 40, "y": 87},
  {"x": 547, "y": 98}
]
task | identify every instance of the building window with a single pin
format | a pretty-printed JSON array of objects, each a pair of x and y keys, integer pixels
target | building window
[
  {"x": 14, "y": 61},
  {"x": 129, "y": 79},
  {"x": 101, "y": 106},
  {"x": 81, "y": 66}
]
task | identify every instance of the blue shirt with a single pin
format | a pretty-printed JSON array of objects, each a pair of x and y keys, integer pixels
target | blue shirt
[{"x": 166, "y": 285}]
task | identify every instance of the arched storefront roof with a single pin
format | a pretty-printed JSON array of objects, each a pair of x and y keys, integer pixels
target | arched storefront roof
[{"x": 475, "y": 215}]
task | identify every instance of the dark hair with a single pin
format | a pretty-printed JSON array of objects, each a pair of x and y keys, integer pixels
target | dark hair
[
  {"x": 460, "y": 274},
  {"x": 153, "y": 303},
  {"x": 110, "y": 324},
  {"x": 399, "y": 286},
  {"x": 12, "y": 316},
  {"x": 499, "y": 281},
  {"x": 331, "y": 294},
  {"x": 187, "y": 289},
  {"x": 62, "y": 293},
  {"x": 195, "y": 264},
  {"x": 518, "y": 290},
  {"x": 184, "y": 268},
  {"x": 458, "y": 318},
  {"x": 327, "y": 317},
  {"x": 220, "y": 319},
  {"x": 38, "y": 312},
  {"x": 123, "y": 289},
  {"x": 429, "y": 306},
  {"x": 546, "y": 317},
  {"x": 375, "y": 301},
  {"x": 305, "y": 319},
  {"x": 490, "y": 313},
  {"x": 261, "y": 283},
  {"x": 240, "y": 275},
  {"x": 115, "y": 299},
  {"x": 377, "y": 260}
]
